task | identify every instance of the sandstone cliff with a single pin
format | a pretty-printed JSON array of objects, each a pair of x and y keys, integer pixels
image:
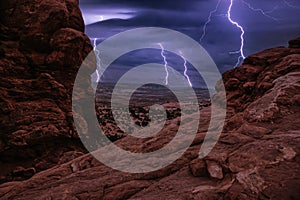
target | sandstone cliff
[{"x": 42, "y": 45}]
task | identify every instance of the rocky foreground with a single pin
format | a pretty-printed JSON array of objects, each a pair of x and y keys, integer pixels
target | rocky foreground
[{"x": 256, "y": 157}]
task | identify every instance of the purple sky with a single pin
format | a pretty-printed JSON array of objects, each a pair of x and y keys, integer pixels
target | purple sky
[{"x": 105, "y": 18}]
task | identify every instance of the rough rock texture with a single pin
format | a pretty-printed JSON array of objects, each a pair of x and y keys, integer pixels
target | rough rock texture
[
  {"x": 42, "y": 45},
  {"x": 257, "y": 156}
]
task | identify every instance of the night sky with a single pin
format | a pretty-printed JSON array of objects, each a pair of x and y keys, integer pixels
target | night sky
[{"x": 105, "y": 18}]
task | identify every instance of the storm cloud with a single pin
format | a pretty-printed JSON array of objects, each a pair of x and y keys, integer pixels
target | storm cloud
[{"x": 106, "y": 18}]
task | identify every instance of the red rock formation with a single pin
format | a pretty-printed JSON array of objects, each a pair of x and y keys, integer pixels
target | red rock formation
[
  {"x": 266, "y": 87},
  {"x": 42, "y": 45},
  {"x": 256, "y": 157}
]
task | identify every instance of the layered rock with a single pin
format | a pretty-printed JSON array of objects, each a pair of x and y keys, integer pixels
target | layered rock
[
  {"x": 42, "y": 45},
  {"x": 256, "y": 157},
  {"x": 266, "y": 87}
]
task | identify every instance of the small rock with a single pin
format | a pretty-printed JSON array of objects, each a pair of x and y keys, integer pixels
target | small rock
[
  {"x": 288, "y": 153},
  {"x": 254, "y": 131},
  {"x": 214, "y": 170},
  {"x": 198, "y": 168},
  {"x": 232, "y": 84},
  {"x": 68, "y": 156},
  {"x": 18, "y": 171},
  {"x": 42, "y": 165},
  {"x": 74, "y": 167},
  {"x": 265, "y": 86},
  {"x": 22, "y": 172},
  {"x": 249, "y": 86},
  {"x": 29, "y": 172}
]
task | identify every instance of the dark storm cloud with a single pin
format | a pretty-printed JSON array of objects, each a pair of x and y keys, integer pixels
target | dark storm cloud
[
  {"x": 156, "y": 18},
  {"x": 189, "y": 16},
  {"x": 156, "y": 4}
]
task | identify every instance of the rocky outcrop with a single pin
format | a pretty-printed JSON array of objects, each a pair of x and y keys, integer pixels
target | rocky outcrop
[
  {"x": 256, "y": 157},
  {"x": 266, "y": 87},
  {"x": 42, "y": 45}
]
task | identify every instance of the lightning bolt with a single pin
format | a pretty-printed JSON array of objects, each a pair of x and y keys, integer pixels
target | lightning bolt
[
  {"x": 211, "y": 13},
  {"x": 165, "y": 63},
  {"x": 235, "y": 23},
  {"x": 241, "y": 51},
  {"x": 209, "y": 20},
  {"x": 185, "y": 70},
  {"x": 98, "y": 60},
  {"x": 290, "y": 5},
  {"x": 265, "y": 13}
]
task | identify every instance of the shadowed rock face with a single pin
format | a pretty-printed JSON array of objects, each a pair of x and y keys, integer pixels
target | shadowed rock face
[{"x": 42, "y": 46}]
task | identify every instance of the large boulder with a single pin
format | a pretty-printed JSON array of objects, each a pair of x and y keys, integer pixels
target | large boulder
[{"x": 42, "y": 46}]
